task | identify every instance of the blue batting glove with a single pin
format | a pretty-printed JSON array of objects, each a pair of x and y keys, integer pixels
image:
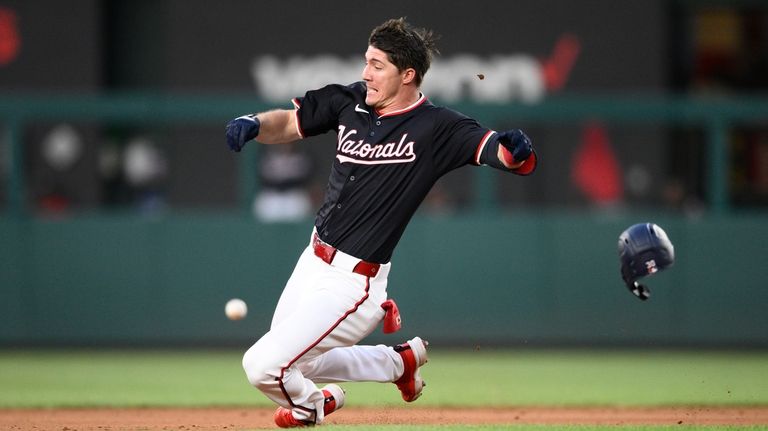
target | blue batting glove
[
  {"x": 517, "y": 143},
  {"x": 241, "y": 130}
]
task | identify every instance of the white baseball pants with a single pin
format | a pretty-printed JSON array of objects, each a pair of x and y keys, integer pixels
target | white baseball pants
[{"x": 323, "y": 312}]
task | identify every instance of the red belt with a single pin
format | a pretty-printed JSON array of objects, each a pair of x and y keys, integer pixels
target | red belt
[{"x": 327, "y": 253}]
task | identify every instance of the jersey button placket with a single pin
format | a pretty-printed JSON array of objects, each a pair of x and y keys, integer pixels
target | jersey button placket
[{"x": 373, "y": 132}]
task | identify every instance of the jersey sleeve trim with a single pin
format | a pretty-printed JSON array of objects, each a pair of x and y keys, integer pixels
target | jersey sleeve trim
[
  {"x": 296, "y": 107},
  {"x": 481, "y": 146}
]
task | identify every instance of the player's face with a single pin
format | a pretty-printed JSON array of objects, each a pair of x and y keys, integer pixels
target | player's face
[{"x": 383, "y": 80}]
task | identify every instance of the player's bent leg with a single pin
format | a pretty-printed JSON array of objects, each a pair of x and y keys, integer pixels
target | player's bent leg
[
  {"x": 273, "y": 363},
  {"x": 377, "y": 363},
  {"x": 399, "y": 364}
]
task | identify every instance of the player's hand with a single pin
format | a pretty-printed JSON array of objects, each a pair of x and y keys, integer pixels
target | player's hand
[
  {"x": 517, "y": 143},
  {"x": 241, "y": 130},
  {"x": 516, "y": 152}
]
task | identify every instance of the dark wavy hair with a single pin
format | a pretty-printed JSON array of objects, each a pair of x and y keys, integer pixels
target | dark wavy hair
[{"x": 406, "y": 46}]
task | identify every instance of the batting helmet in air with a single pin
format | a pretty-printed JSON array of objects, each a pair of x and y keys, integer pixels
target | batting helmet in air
[{"x": 644, "y": 249}]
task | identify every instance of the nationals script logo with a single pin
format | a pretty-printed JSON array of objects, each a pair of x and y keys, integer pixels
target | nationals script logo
[{"x": 358, "y": 151}]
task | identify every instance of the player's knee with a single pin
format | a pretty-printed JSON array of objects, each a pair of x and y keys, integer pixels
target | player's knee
[{"x": 260, "y": 373}]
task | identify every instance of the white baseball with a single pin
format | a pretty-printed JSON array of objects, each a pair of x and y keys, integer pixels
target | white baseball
[{"x": 236, "y": 309}]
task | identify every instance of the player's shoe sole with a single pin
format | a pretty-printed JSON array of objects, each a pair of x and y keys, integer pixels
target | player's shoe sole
[
  {"x": 414, "y": 354},
  {"x": 334, "y": 400}
]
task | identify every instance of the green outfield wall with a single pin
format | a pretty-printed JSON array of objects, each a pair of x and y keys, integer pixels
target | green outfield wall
[{"x": 513, "y": 279}]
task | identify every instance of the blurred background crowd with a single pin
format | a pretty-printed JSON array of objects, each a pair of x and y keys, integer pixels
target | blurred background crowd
[{"x": 530, "y": 54}]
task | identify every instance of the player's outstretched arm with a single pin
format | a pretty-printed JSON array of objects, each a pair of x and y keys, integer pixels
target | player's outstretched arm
[{"x": 271, "y": 127}]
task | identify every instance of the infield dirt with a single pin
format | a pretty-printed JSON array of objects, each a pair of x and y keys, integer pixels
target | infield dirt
[{"x": 203, "y": 419}]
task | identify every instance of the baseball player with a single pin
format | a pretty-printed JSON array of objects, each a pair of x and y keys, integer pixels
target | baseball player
[{"x": 392, "y": 146}]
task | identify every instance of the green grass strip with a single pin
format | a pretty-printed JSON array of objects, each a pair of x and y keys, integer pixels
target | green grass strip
[{"x": 84, "y": 378}]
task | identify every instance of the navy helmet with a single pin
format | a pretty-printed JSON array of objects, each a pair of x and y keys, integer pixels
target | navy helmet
[{"x": 644, "y": 249}]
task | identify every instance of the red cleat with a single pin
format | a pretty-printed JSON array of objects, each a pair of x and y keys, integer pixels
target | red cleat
[
  {"x": 334, "y": 400},
  {"x": 414, "y": 354},
  {"x": 284, "y": 419}
]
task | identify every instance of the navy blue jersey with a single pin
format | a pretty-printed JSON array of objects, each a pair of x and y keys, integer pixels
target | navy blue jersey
[{"x": 385, "y": 164}]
